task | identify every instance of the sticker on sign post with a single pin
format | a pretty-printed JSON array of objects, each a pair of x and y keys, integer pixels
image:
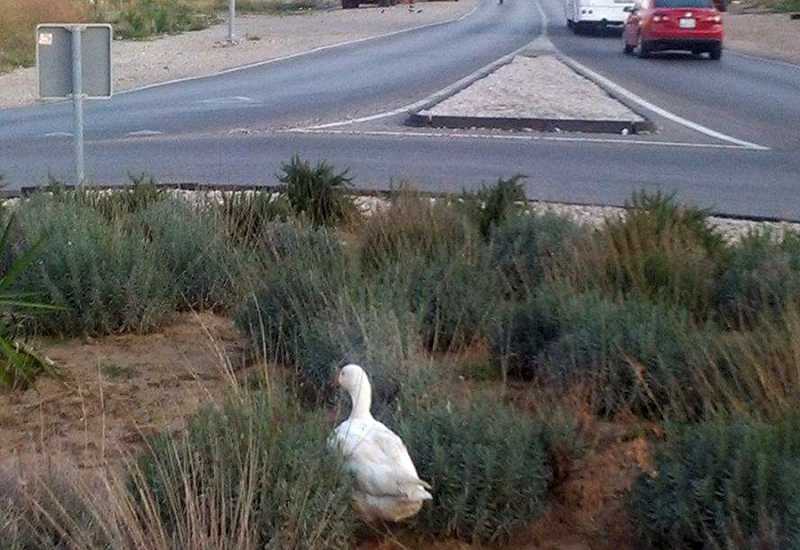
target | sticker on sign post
[{"x": 46, "y": 39}]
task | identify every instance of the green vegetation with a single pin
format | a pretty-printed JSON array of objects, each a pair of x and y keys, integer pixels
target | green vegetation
[
  {"x": 726, "y": 485},
  {"x": 318, "y": 193},
  {"x": 19, "y": 365},
  {"x": 504, "y": 456},
  {"x": 259, "y": 469},
  {"x": 18, "y": 20},
  {"x": 652, "y": 318}
]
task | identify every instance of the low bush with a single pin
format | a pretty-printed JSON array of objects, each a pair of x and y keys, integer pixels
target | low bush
[
  {"x": 455, "y": 298},
  {"x": 752, "y": 372},
  {"x": 489, "y": 467},
  {"x": 255, "y": 475},
  {"x": 318, "y": 193},
  {"x": 143, "y": 18},
  {"x": 492, "y": 205},
  {"x": 105, "y": 276},
  {"x": 371, "y": 333},
  {"x": 659, "y": 250},
  {"x": 413, "y": 226},
  {"x": 524, "y": 248},
  {"x": 117, "y": 204},
  {"x": 304, "y": 271},
  {"x": 633, "y": 355},
  {"x": 246, "y": 214},
  {"x": 521, "y": 332},
  {"x": 761, "y": 276},
  {"x": 727, "y": 485},
  {"x": 190, "y": 245}
]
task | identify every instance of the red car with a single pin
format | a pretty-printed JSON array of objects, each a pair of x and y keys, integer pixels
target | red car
[{"x": 657, "y": 25}]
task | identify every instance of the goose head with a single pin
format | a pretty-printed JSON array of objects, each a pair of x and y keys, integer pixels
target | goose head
[{"x": 352, "y": 379}]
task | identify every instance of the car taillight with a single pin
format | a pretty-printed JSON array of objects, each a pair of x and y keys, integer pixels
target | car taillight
[
  {"x": 716, "y": 19},
  {"x": 660, "y": 18}
]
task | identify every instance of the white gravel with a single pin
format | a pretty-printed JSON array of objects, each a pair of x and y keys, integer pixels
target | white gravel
[
  {"x": 263, "y": 37},
  {"x": 534, "y": 87}
]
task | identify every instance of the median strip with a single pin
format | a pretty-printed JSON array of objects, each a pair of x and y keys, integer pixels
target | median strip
[{"x": 534, "y": 92}]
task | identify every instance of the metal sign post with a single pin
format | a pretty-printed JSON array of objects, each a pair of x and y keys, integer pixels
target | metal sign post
[
  {"x": 74, "y": 62},
  {"x": 77, "y": 103},
  {"x": 231, "y": 21}
]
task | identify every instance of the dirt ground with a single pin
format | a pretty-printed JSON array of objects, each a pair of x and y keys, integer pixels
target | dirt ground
[
  {"x": 261, "y": 37},
  {"x": 114, "y": 391}
]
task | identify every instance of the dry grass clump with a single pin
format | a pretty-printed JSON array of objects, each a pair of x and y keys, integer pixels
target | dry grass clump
[
  {"x": 659, "y": 250},
  {"x": 18, "y": 20}
]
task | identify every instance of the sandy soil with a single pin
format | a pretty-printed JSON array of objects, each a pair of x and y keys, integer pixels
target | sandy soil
[
  {"x": 116, "y": 390},
  {"x": 535, "y": 87},
  {"x": 263, "y": 37},
  {"x": 768, "y": 35}
]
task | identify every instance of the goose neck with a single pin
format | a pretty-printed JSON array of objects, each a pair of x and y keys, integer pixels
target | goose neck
[{"x": 362, "y": 401}]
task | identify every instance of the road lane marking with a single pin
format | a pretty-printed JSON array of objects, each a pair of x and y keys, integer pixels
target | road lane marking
[
  {"x": 58, "y": 134},
  {"x": 145, "y": 133},
  {"x": 301, "y": 54},
  {"x": 229, "y": 100},
  {"x": 513, "y": 137},
  {"x": 627, "y": 94},
  {"x": 624, "y": 92}
]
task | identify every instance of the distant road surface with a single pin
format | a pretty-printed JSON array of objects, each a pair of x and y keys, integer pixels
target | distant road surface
[{"x": 238, "y": 127}]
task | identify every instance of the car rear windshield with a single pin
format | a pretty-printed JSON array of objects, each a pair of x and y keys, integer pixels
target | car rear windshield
[{"x": 684, "y": 4}]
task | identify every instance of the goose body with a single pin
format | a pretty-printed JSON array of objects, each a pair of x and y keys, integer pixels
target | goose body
[{"x": 386, "y": 483}]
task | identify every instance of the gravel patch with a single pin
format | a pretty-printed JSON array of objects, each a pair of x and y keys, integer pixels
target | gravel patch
[
  {"x": 769, "y": 34},
  {"x": 539, "y": 87},
  {"x": 594, "y": 216},
  {"x": 263, "y": 37}
]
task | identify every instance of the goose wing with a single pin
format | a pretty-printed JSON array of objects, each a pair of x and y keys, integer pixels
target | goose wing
[{"x": 383, "y": 467}]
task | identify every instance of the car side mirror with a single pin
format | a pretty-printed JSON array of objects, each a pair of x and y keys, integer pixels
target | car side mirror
[{"x": 629, "y": 9}]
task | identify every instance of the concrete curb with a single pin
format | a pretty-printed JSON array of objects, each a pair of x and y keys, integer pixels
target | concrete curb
[
  {"x": 537, "y": 124},
  {"x": 419, "y": 120}
]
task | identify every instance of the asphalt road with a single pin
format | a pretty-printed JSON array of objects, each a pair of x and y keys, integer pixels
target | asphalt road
[{"x": 200, "y": 139}]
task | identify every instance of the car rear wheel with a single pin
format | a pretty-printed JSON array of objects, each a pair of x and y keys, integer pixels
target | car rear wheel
[
  {"x": 715, "y": 52},
  {"x": 642, "y": 48}
]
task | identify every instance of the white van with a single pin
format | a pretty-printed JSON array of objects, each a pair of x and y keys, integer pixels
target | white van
[{"x": 600, "y": 14}]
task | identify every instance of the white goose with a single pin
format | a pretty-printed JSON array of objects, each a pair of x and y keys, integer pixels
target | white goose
[{"x": 387, "y": 486}]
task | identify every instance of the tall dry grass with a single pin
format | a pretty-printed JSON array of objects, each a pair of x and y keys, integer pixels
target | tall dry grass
[{"x": 18, "y": 20}]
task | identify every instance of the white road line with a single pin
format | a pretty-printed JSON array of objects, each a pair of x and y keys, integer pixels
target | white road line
[
  {"x": 514, "y": 137},
  {"x": 624, "y": 92},
  {"x": 229, "y": 100},
  {"x": 300, "y": 54},
  {"x": 58, "y": 134},
  {"x": 145, "y": 133}
]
